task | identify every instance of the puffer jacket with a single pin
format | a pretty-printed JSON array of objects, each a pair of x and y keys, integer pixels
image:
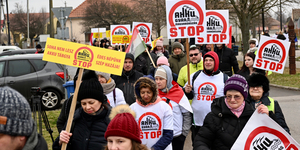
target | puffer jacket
[
  {"x": 125, "y": 82},
  {"x": 87, "y": 131},
  {"x": 221, "y": 127},
  {"x": 227, "y": 60},
  {"x": 177, "y": 62}
]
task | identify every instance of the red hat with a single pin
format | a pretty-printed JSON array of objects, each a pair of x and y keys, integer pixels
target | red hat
[{"x": 123, "y": 123}]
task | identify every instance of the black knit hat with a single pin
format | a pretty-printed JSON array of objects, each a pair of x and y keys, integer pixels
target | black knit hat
[
  {"x": 91, "y": 88},
  {"x": 257, "y": 79},
  {"x": 38, "y": 46},
  {"x": 130, "y": 56}
]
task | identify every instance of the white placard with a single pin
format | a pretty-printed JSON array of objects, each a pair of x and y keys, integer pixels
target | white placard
[
  {"x": 272, "y": 54},
  {"x": 262, "y": 132},
  {"x": 96, "y": 30},
  {"x": 119, "y": 30},
  {"x": 145, "y": 30},
  {"x": 185, "y": 18},
  {"x": 217, "y": 28}
]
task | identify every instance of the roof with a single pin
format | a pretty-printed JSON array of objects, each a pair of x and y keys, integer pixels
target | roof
[
  {"x": 272, "y": 22},
  {"x": 79, "y": 12},
  {"x": 295, "y": 14}
]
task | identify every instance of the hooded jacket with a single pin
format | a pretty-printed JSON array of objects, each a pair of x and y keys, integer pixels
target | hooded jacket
[
  {"x": 227, "y": 60},
  {"x": 182, "y": 110},
  {"x": 182, "y": 76},
  {"x": 221, "y": 127},
  {"x": 143, "y": 64}
]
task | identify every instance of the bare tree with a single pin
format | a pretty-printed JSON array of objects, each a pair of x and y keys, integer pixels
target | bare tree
[
  {"x": 37, "y": 21},
  {"x": 103, "y": 13}
]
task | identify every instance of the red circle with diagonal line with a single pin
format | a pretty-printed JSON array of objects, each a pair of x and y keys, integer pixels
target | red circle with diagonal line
[
  {"x": 150, "y": 114},
  {"x": 265, "y": 129},
  {"x": 142, "y": 24},
  {"x": 214, "y": 13},
  {"x": 200, "y": 11},
  {"x": 270, "y": 42},
  {"x": 209, "y": 83},
  {"x": 92, "y": 57}
]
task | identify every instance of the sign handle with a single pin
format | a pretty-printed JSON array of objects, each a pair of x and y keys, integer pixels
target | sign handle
[
  {"x": 151, "y": 58},
  {"x": 212, "y": 47},
  {"x": 187, "y": 59},
  {"x": 73, "y": 106}
]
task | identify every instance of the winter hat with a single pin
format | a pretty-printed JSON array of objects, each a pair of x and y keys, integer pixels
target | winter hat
[
  {"x": 238, "y": 83},
  {"x": 103, "y": 74},
  {"x": 214, "y": 56},
  {"x": 90, "y": 88},
  {"x": 123, "y": 123},
  {"x": 162, "y": 60},
  {"x": 176, "y": 45},
  {"x": 159, "y": 42},
  {"x": 257, "y": 79},
  {"x": 161, "y": 72},
  {"x": 15, "y": 113},
  {"x": 130, "y": 56},
  {"x": 87, "y": 74},
  {"x": 38, "y": 46}
]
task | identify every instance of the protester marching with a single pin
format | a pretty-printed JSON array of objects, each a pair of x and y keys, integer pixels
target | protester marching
[{"x": 133, "y": 91}]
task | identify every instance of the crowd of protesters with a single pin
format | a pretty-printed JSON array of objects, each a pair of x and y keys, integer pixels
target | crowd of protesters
[{"x": 148, "y": 107}]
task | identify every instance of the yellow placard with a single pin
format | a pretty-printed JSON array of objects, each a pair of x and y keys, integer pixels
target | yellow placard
[
  {"x": 96, "y": 35},
  {"x": 121, "y": 39},
  {"x": 84, "y": 56},
  {"x": 108, "y": 33}
]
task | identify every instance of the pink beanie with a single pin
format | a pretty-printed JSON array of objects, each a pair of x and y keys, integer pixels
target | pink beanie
[
  {"x": 162, "y": 60},
  {"x": 159, "y": 42}
]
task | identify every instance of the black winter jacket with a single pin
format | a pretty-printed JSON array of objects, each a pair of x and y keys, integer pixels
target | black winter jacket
[
  {"x": 143, "y": 63},
  {"x": 278, "y": 116},
  {"x": 221, "y": 127},
  {"x": 87, "y": 131},
  {"x": 227, "y": 60},
  {"x": 125, "y": 82}
]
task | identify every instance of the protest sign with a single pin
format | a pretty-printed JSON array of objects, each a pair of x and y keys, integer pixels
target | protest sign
[
  {"x": 145, "y": 30},
  {"x": 262, "y": 132},
  {"x": 272, "y": 54},
  {"x": 185, "y": 19},
  {"x": 119, "y": 30},
  {"x": 97, "y": 35},
  {"x": 121, "y": 39},
  {"x": 97, "y": 30},
  {"x": 217, "y": 28},
  {"x": 84, "y": 56}
]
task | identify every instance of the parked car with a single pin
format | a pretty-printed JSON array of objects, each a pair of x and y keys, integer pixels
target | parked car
[
  {"x": 6, "y": 48},
  {"x": 18, "y": 52},
  {"x": 22, "y": 72}
]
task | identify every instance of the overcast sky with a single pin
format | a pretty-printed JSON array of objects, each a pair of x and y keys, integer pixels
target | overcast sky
[{"x": 36, "y": 5}]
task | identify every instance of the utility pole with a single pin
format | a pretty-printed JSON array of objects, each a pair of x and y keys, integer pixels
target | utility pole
[
  {"x": 51, "y": 19},
  {"x": 28, "y": 38},
  {"x": 8, "y": 43},
  {"x": 280, "y": 15},
  {"x": 263, "y": 20}
]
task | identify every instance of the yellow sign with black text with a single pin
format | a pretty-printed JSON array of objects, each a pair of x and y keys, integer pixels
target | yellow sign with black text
[{"x": 84, "y": 56}]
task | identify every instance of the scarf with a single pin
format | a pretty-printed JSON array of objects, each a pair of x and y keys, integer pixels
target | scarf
[
  {"x": 109, "y": 86},
  {"x": 238, "y": 111}
]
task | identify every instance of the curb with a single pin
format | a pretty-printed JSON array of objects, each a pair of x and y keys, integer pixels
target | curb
[{"x": 285, "y": 87}]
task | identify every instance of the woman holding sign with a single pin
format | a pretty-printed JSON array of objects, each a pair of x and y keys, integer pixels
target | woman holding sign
[
  {"x": 228, "y": 116},
  {"x": 259, "y": 94},
  {"x": 90, "y": 120}
]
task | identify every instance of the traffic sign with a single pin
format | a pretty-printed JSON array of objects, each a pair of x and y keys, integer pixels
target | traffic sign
[{"x": 61, "y": 12}]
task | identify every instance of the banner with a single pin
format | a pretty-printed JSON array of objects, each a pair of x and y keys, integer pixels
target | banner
[
  {"x": 121, "y": 39},
  {"x": 262, "y": 132},
  {"x": 185, "y": 18},
  {"x": 217, "y": 28},
  {"x": 145, "y": 30},
  {"x": 271, "y": 54},
  {"x": 119, "y": 30},
  {"x": 84, "y": 56},
  {"x": 97, "y": 30}
]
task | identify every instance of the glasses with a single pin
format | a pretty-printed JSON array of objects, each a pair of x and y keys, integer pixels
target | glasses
[
  {"x": 196, "y": 54},
  {"x": 236, "y": 97}
]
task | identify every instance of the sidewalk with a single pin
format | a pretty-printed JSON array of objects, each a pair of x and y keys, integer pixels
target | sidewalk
[{"x": 240, "y": 58}]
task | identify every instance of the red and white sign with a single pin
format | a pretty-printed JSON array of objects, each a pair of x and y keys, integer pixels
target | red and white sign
[
  {"x": 262, "y": 132},
  {"x": 145, "y": 30},
  {"x": 217, "y": 28},
  {"x": 272, "y": 54},
  {"x": 185, "y": 18},
  {"x": 150, "y": 125},
  {"x": 207, "y": 91},
  {"x": 119, "y": 30}
]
